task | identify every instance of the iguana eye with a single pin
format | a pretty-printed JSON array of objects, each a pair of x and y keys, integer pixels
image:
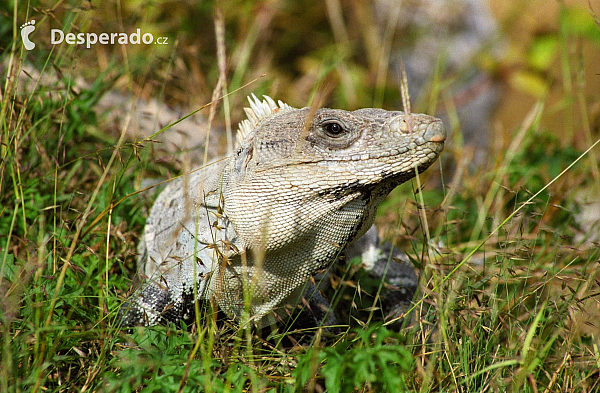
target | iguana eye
[{"x": 333, "y": 129}]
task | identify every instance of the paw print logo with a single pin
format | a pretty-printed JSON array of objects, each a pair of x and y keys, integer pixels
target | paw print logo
[{"x": 27, "y": 29}]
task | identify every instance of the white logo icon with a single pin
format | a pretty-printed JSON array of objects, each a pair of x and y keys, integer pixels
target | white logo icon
[{"x": 27, "y": 29}]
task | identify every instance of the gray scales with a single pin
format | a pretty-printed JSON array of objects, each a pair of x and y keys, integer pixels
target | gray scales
[{"x": 249, "y": 230}]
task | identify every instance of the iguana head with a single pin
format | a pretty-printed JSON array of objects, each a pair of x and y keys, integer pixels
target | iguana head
[
  {"x": 296, "y": 165},
  {"x": 366, "y": 146}
]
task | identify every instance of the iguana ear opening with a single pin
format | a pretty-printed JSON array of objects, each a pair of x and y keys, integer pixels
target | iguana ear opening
[{"x": 242, "y": 158}]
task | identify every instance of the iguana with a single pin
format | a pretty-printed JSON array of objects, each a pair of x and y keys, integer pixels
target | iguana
[{"x": 250, "y": 229}]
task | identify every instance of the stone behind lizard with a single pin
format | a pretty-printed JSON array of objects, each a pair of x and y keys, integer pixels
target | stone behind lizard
[{"x": 250, "y": 230}]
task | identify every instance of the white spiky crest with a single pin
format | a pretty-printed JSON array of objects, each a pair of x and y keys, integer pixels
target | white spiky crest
[{"x": 258, "y": 110}]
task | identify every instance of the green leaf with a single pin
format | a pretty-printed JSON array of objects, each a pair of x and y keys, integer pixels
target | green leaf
[
  {"x": 530, "y": 83},
  {"x": 577, "y": 21},
  {"x": 543, "y": 52}
]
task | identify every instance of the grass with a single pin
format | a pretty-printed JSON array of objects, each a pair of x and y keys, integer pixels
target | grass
[{"x": 509, "y": 276}]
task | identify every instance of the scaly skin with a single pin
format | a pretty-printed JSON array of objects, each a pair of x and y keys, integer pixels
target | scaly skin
[{"x": 251, "y": 229}]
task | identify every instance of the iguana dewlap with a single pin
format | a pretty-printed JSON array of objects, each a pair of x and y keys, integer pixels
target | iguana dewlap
[{"x": 249, "y": 230}]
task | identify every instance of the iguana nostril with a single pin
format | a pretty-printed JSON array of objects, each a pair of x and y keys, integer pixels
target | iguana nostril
[{"x": 399, "y": 124}]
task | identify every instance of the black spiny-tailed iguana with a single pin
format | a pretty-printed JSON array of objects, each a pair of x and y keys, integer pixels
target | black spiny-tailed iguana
[{"x": 249, "y": 230}]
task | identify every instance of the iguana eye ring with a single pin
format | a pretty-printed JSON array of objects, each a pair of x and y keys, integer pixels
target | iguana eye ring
[{"x": 334, "y": 129}]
